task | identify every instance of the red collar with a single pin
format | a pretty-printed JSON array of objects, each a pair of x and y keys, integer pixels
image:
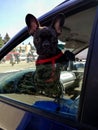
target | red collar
[{"x": 52, "y": 59}]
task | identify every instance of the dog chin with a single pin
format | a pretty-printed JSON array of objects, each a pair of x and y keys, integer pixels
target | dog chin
[{"x": 46, "y": 54}]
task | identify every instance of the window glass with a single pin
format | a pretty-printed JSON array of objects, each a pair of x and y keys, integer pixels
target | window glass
[{"x": 21, "y": 80}]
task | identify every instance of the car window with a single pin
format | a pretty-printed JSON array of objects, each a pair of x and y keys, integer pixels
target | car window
[{"x": 19, "y": 81}]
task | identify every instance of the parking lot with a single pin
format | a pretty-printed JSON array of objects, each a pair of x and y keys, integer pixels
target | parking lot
[{"x": 7, "y": 67}]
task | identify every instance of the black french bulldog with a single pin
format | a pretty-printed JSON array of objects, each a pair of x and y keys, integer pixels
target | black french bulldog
[{"x": 50, "y": 57}]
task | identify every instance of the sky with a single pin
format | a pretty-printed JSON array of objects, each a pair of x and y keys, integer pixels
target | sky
[{"x": 13, "y": 12}]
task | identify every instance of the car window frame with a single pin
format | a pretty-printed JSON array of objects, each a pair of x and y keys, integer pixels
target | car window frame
[
  {"x": 89, "y": 88},
  {"x": 23, "y": 34}
]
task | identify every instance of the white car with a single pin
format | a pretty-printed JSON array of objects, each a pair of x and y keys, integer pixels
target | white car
[{"x": 23, "y": 57}]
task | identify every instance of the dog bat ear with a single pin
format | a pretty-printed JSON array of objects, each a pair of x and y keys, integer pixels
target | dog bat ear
[
  {"x": 58, "y": 23},
  {"x": 32, "y": 23}
]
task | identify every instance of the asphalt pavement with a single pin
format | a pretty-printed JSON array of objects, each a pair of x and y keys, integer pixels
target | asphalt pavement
[{"x": 6, "y": 68}]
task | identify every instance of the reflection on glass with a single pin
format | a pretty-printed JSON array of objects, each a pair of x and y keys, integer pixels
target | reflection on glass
[
  {"x": 17, "y": 73},
  {"x": 17, "y": 70}
]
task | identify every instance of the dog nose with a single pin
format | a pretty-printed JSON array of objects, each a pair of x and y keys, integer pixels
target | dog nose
[{"x": 46, "y": 44}]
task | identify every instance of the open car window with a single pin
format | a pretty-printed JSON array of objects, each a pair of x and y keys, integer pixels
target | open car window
[{"x": 18, "y": 67}]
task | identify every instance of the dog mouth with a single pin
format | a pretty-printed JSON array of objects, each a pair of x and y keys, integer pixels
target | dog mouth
[{"x": 46, "y": 51}]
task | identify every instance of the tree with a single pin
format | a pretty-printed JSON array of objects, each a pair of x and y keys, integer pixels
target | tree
[
  {"x": 1, "y": 41},
  {"x": 6, "y": 38}
]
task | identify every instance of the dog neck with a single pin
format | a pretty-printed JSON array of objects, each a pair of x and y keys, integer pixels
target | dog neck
[{"x": 51, "y": 60}]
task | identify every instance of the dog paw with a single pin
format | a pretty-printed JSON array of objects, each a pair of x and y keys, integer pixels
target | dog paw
[{"x": 69, "y": 55}]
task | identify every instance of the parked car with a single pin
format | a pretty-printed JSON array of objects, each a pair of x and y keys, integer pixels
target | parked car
[
  {"x": 23, "y": 57},
  {"x": 22, "y": 108}
]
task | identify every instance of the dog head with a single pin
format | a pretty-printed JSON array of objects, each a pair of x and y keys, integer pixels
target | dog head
[{"x": 45, "y": 38}]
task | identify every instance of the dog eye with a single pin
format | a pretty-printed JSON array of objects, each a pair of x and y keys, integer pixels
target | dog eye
[{"x": 37, "y": 40}]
